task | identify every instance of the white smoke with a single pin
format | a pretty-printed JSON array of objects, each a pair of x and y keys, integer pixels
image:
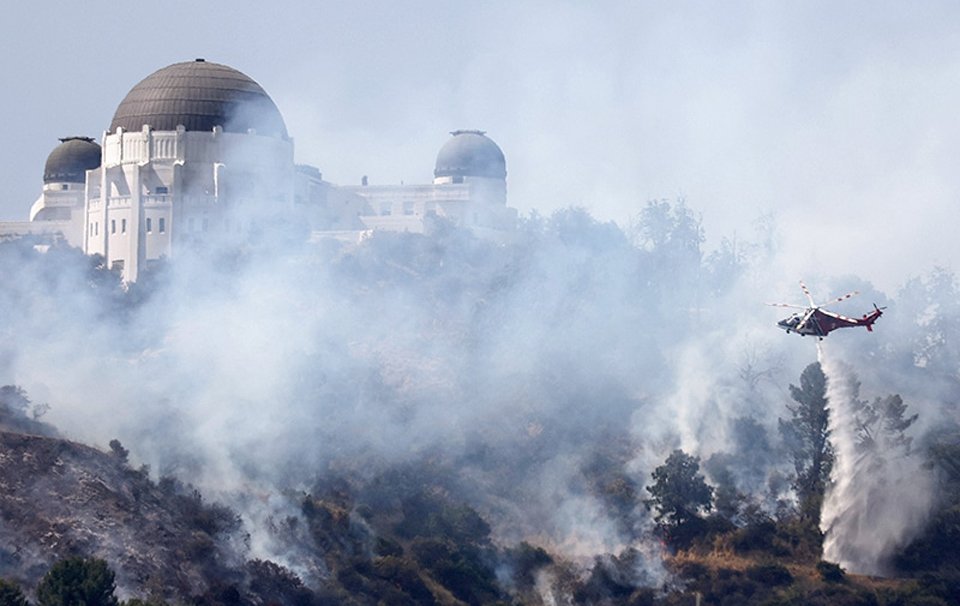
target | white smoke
[{"x": 514, "y": 365}]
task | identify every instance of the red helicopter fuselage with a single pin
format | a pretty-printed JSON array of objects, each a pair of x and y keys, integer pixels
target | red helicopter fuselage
[{"x": 819, "y": 323}]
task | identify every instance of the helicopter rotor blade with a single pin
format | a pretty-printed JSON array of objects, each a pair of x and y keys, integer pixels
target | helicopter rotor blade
[
  {"x": 839, "y": 316},
  {"x": 803, "y": 287},
  {"x": 787, "y": 305},
  {"x": 839, "y": 299},
  {"x": 806, "y": 317}
]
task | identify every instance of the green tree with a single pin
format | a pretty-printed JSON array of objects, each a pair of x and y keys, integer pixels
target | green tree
[
  {"x": 78, "y": 582},
  {"x": 679, "y": 495},
  {"x": 807, "y": 436},
  {"x": 882, "y": 426},
  {"x": 11, "y": 595}
]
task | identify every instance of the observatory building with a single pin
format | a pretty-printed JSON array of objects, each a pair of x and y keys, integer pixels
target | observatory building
[{"x": 198, "y": 154}]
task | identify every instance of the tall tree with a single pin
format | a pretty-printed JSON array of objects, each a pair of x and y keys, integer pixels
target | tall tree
[
  {"x": 679, "y": 495},
  {"x": 882, "y": 426},
  {"x": 807, "y": 436},
  {"x": 669, "y": 238}
]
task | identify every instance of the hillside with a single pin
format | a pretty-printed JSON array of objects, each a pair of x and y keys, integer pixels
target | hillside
[
  {"x": 398, "y": 539},
  {"x": 439, "y": 419},
  {"x": 60, "y": 499}
]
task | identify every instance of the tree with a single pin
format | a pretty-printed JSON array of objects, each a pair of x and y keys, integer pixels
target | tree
[
  {"x": 669, "y": 228},
  {"x": 575, "y": 227},
  {"x": 78, "y": 582},
  {"x": 117, "y": 450},
  {"x": 18, "y": 413},
  {"x": 807, "y": 436},
  {"x": 932, "y": 304},
  {"x": 14, "y": 401},
  {"x": 881, "y": 426},
  {"x": 723, "y": 267},
  {"x": 727, "y": 499},
  {"x": 669, "y": 239},
  {"x": 679, "y": 494},
  {"x": 11, "y": 595}
]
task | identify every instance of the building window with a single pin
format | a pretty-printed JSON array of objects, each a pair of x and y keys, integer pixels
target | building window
[
  {"x": 163, "y": 225},
  {"x": 117, "y": 265},
  {"x": 163, "y": 189},
  {"x": 113, "y": 226},
  {"x": 123, "y": 226},
  {"x": 408, "y": 208},
  {"x": 64, "y": 186},
  {"x": 149, "y": 225},
  {"x": 91, "y": 229}
]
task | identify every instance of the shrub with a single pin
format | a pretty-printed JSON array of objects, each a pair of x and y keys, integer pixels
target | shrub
[
  {"x": 403, "y": 575},
  {"x": 117, "y": 450},
  {"x": 78, "y": 581},
  {"x": 693, "y": 571},
  {"x": 642, "y": 597},
  {"x": 525, "y": 560},
  {"x": 770, "y": 575},
  {"x": 430, "y": 516},
  {"x": 460, "y": 568},
  {"x": 387, "y": 547},
  {"x": 274, "y": 584},
  {"x": 11, "y": 595},
  {"x": 755, "y": 536},
  {"x": 830, "y": 572}
]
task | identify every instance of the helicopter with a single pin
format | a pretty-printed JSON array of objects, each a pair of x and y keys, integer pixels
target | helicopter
[{"x": 817, "y": 321}]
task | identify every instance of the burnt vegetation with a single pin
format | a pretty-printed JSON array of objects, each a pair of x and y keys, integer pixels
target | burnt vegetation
[{"x": 471, "y": 516}]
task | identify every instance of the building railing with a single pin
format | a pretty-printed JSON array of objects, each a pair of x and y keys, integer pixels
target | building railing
[{"x": 156, "y": 200}]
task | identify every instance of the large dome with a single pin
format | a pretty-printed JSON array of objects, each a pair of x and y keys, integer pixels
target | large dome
[
  {"x": 470, "y": 154},
  {"x": 199, "y": 95},
  {"x": 69, "y": 161}
]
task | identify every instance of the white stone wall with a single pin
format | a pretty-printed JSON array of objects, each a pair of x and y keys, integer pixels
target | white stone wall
[
  {"x": 473, "y": 202},
  {"x": 161, "y": 192}
]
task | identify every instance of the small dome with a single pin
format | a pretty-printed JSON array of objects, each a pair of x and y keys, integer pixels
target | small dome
[
  {"x": 470, "y": 154},
  {"x": 199, "y": 95},
  {"x": 69, "y": 161}
]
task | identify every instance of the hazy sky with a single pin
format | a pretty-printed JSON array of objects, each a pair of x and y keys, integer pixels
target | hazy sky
[{"x": 837, "y": 117}]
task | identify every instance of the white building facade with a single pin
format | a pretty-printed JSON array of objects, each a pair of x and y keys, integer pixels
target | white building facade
[{"x": 197, "y": 152}]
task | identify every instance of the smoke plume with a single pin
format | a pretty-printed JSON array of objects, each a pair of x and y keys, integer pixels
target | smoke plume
[{"x": 541, "y": 380}]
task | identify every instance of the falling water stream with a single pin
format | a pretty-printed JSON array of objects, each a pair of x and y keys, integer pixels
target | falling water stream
[
  {"x": 840, "y": 518},
  {"x": 875, "y": 502}
]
